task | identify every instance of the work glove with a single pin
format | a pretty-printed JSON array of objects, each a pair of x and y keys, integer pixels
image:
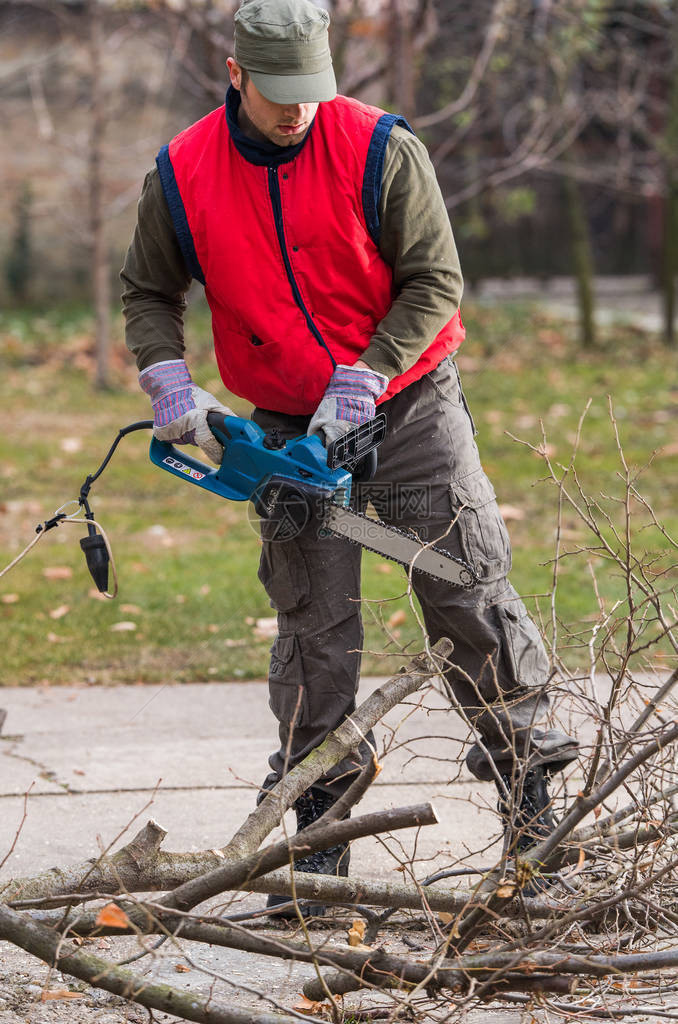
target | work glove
[
  {"x": 180, "y": 408},
  {"x": 350, "y": 399}
]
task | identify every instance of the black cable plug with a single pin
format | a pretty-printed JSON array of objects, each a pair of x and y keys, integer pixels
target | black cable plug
[
  {"x": 96, "y": 554},
  {"x": 94, "y": 545}
]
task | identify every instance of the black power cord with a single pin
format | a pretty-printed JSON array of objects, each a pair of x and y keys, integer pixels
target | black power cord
[{"x": 94, "y": 545}]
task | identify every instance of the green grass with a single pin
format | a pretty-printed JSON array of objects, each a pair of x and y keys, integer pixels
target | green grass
[{"x": 187, "y": 561}]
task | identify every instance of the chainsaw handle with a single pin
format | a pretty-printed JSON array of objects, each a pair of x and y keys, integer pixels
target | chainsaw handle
[
  {"x": 216, "y": 423},
  {"x": 367, "y": 468},
  {"x": 356, "y": 450}
]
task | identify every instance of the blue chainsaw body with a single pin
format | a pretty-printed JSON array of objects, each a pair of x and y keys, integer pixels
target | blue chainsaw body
[{"x": 249, "y": 463}]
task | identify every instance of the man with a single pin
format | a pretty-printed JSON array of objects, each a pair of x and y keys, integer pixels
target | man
[{"x": 317, "y": 226}]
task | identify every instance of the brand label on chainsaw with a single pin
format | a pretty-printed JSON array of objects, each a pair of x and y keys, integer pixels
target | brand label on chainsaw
[{"x": 181, "y": 467}]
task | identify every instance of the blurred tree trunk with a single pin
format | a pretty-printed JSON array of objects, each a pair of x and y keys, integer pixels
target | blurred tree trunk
[
  {"x": 670, "y": 261},
  {"x": 97, "y": 236},
  {"x": 582, "y": 258},
  {"x": 670, "y": 253},
  {"x": 401, "y": 59}
]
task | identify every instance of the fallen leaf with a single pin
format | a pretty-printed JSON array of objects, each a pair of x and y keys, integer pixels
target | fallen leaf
[
  {"x": 58, "y": 613},
  {"x": 9, "y": 598},
  {"x": 445, "y": 918},
  {"x": 111, "y": 916},
  {"x": 468, "y": 363},
  {"x": 526, "y": 422},
  {"x": 123, "y": 627},
  {"x": 130, "y": 609},
  {"x": 78, "y": 771},
  {"x": 103, "y": 943},
  {"x": 60, "y": 993},
  {"x": 182, "y": 969},
  {"x": 266, "y": 628},
  {"x": 307, "y": 1006},
  {"x": 70, "y": 444},
  {"x": 506, "y": 891},
  {"x": 398, "y": 618},
  {"x": 509, "y": 512},
  {"x": 356, "y": 932},
  {"x": 57, "y": 572}
]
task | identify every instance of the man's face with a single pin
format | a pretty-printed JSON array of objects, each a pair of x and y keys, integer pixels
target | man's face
[{"x": 285, "y": 124}]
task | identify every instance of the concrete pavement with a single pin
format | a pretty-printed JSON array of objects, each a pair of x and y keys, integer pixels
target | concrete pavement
[
  {"x": 94, "y": 757},
  {"x": 100, "y": 761}
]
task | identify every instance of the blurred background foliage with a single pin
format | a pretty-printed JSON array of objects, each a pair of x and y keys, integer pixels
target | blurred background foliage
[{"x": 553, "y": 126}]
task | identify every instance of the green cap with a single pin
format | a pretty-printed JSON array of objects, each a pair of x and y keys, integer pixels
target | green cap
[{"x": 284, "y": 46}]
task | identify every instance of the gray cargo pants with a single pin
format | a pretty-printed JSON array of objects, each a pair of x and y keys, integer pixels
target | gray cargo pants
[{"x": 429, "y": 477}]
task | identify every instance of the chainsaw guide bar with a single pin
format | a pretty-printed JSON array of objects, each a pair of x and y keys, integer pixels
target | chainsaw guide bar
[{"x": 396, "y": 545}]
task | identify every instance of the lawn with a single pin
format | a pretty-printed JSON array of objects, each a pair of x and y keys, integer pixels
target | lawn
[{"x": 190, "y": 606}]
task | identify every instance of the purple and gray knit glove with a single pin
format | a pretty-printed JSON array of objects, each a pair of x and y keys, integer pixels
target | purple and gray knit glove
[
  {"x": 349, "y": 400},
  {"x": 180, "y": 408}
]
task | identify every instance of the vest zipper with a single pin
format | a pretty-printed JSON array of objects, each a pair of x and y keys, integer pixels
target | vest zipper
[{"x": 276, "y": 202}]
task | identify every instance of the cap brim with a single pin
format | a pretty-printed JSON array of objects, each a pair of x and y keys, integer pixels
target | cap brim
[{"x": 319, "y": 87}]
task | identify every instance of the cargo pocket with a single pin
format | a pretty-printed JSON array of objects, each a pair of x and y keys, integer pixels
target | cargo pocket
[
  {"x": 283, "y": 572},
  {"x": 287, "y": 696},
  {"x": 484, "y": 540},
  {"x": 523, "y": 646}
]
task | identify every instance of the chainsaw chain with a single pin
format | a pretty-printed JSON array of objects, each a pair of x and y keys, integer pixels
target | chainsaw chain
[{"x": 472, "y": 578}]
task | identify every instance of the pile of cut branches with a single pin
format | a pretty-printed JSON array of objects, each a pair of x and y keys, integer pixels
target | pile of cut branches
[{"x": 601, "y": 911}]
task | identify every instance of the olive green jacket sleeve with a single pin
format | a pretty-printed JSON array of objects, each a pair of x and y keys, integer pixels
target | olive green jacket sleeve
[
  {"x": 416, "y": 241},
  {"x": 155, "y": 282}
]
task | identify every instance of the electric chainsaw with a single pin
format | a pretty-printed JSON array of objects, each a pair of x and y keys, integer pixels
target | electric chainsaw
[
  {"x": 289, "y": 482},
  {"x": 292, "y": 482}
]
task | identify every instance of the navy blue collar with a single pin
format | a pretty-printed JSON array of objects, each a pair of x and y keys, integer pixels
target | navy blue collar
[{"x": 264, "y": 154}]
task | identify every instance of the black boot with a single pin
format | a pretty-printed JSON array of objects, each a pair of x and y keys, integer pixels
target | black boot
[
  {"x": 310, "y": 806},
  {"x": 528, "y": 821}
]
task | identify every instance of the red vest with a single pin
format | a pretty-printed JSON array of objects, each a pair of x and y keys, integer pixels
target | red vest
[{"x": 289, "y": 255}]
